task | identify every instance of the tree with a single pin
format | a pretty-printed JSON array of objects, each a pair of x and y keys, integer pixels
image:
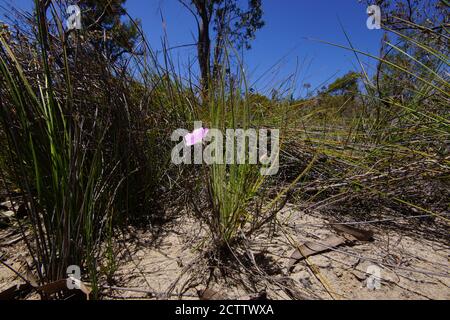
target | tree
[
  {"x": 229, "y": 23},
  {"x": 110, "y": 32},
  {"x": 414, "y": 14},
  {"x": 424, "y": 21}
]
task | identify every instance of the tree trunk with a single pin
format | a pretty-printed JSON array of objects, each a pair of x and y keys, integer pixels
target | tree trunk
[{"x": 204, "y": 46}]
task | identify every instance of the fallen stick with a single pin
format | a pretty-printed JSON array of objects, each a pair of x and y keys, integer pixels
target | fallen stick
[{"x": 312, "y": 248}]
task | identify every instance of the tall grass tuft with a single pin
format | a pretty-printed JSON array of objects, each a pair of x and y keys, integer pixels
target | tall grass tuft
[
  {"x": 392, "y": 142},
  {"x": 58, "y": 158},
  {"x": 236, "y": 191}
]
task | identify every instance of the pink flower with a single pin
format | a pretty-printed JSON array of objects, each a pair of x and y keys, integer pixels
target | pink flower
[{"x": 196, "y": 136}]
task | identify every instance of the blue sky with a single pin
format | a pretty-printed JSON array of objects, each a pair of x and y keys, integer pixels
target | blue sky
[{"x": 289, "y": 24}]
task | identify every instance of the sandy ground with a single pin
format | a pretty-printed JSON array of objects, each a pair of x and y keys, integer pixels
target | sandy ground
[{"x": 174, "y": 266}]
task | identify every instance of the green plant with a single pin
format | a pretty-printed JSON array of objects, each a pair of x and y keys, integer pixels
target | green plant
[{"x": 58, "y": 160}]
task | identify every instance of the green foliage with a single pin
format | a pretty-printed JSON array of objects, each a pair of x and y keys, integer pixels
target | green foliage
[
  {"x": 344, "y": 86},
  {"x": 85, "y": 146},
  {"x": 107, "y": 20},
  {"x": 58, "y": 162},
  {"x": 245, "y": 22},
  {"x": 232, "y": 26},
  {"x": 89, "y": 147}
]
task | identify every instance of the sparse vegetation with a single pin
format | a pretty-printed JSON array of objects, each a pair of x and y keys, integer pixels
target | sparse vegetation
[{"x": 85, "y": 141}]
